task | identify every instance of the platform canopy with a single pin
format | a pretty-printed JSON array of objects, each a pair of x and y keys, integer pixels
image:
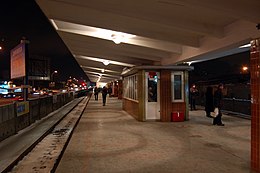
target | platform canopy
[{"x": 105, "y": 36}]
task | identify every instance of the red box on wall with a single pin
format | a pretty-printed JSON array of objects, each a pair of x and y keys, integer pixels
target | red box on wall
[{"x": 177, "y": 116}]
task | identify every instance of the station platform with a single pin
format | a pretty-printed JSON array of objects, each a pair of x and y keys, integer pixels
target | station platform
[{"x": 108, "y": 140}]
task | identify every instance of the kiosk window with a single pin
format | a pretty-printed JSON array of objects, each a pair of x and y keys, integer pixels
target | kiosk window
[
  {"x": 130, "y": 87},
  {"x": 177, "y": 87}
]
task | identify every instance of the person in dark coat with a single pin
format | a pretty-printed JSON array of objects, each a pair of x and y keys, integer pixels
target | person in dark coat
[
  {"x": 104, "y": 95},
  {"x": 218, "y": 103},
  {"x": 96, "y": 93},
  {"x": 209, "y": 102},
  {"x": 193, "y": 95}
]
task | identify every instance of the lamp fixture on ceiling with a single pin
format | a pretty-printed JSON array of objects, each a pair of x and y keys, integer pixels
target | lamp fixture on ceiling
[
  {"x": 117, "y": 38},
  {"x": 106, "y": 62}
]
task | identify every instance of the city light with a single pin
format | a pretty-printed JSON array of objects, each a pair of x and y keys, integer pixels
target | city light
[{"x": 244, "y": 68}]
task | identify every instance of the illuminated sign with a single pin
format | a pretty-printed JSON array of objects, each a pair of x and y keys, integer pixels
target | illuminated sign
[{"x": 18, "y": 61}]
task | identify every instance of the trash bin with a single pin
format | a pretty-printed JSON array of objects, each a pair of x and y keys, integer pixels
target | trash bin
[{"x": 177, "y": 116}]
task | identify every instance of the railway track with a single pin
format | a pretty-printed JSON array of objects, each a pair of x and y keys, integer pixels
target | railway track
[{"x": 45, "y": 155}]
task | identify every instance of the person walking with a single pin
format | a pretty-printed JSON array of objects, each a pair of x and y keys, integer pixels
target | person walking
[
  {"x": 104, "y": 95},
  {"x": 209, "y": 101},
  {"x": 96, "y": 93},
  {"x": 218, "y": 103}
]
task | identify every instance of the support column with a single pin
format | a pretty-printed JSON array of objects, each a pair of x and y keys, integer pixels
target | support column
[{"x": 255, "y": 107}]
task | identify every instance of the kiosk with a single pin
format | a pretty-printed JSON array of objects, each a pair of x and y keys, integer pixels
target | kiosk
[{"x": 157, "y": 93}]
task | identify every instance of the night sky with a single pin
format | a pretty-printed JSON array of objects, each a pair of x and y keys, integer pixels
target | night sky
[
  {"x": 224, "y": 68},
  {"x": 25, "y": 19}
]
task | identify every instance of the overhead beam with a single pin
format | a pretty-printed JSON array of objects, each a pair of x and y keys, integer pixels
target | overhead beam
[
  {"x": 104, "y": 60},
  {"x": 90, "y": 63},
  {"x": 105, "y": 73},
  {"x": 102, "y": 74},
  {"x": 99, "y": 45},
  {"x": 112, "y": 57},
  {"x": 87, "y": 32},
  {"x": 100, "y": 69}
]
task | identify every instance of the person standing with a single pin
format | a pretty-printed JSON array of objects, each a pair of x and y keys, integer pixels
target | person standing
[
  {"x": 193, "y": 94},
  {"x": 218, "y": 103},
  {"x": 96, "y": 93},
  {"x": 104, "y": 95},
  {"x": 209, "y": 102}
]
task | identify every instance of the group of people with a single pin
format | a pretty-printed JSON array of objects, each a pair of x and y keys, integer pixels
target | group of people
[
  {"x": 212, "y": 101},
  {"x": 104, "y": 94}
]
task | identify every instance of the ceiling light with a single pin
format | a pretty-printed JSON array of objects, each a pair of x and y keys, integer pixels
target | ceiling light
[
  {"x": 106, "y": 62},
  {"x": 117, "y": 38},
  {"x": 103, "y": 70}
]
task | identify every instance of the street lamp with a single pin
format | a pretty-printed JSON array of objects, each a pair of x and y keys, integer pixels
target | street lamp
[
  {"x": 52, "y": 83},
  {"x": 245, "y": 69},
  {"x": 53, "y": 74}
]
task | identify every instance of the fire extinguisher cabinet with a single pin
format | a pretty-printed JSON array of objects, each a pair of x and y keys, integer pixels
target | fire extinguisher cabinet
[{"x": 177, "y": 116}]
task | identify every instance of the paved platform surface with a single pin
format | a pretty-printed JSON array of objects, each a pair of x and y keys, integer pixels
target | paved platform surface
[{"x": 108, "y": 140}]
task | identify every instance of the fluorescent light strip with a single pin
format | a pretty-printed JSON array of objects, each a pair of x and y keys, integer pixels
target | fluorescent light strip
[{"x": 245, "y": 46}]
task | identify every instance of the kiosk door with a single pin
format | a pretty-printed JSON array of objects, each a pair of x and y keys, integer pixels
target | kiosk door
[{"x": 152, "y": 95}]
